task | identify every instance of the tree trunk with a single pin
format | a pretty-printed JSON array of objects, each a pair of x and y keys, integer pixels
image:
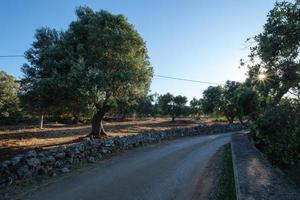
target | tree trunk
[
  {"x": 241, "y": 120},
  {"x": 280, "y": 94},
  {"x": 173, "y": 118},
  {"x": 97, "y": 124},
  {"x": 42, "y": 121},
  {"x": 229, "y": 119}
]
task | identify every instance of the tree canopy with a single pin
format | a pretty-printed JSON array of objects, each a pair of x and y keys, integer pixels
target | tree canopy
[
  {"x": 196, "y": 107},
  {"x": 276, "y": 53},
  {"x": 172, "y": 105},
  {"x": 212, "y": 98},
  {"x": 9, "y": 99}
]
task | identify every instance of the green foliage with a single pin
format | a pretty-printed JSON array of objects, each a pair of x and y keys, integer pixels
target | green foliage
[
  {"x": 228, "y": 106},
  {"x": 232, "y": 100},
  {"x": 111, "y": 57},
  {"x": 277, "y": 132},
  {"x": 46, "y": 84},
  {"x": 195, "y": 107},
  {"x": 179, "y": 106},
  {"x": 124, "y": 109},
  {"x": 212, "y": 100},
  {"x": 246, "y": 101},
  {"x": 165, "y": 104},
  {"x": 174, "y": 106},
  {"x": 146, "y": 106},
  {"x": 9, "y": 99},
  {"x": 276, "y": 53}
]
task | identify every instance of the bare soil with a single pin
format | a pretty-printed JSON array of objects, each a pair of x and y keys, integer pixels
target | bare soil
[{"x": 18, "y": 139}]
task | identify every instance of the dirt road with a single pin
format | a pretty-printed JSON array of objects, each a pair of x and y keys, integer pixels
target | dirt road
[{"x": 169, "y": 170}]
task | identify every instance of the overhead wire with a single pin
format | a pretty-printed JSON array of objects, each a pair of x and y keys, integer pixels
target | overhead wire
[{"x": 156, "y": 75}]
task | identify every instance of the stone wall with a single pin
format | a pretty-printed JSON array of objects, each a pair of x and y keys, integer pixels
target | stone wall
[{"x": 63, "y": 158}]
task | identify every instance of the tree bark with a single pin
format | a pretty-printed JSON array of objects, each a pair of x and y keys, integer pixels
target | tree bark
[
  {"x": 229, "y": 119},
  {"x": 97, "y": 124},
  {"x": 42, "y": 121}
]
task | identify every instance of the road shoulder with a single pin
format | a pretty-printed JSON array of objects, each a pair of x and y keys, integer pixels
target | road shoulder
[{"x": 254, "y": 176}]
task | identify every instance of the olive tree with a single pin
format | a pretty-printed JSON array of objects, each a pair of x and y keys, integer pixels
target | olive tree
[
  {"x": 99, "y": 62},
  {"x": 172, "y": 105},
  {"x": 44, "y": 86},
  {"x": 165, "y": 104},
  {"x": 212, "y": 100},
  {"x": 228, "y": 106},
  {"x": 111, "y": 59},
  {"x": 179, "y": 107},
  {"x": 195, "y": 106},
  {"x": 246, "y": 101}
]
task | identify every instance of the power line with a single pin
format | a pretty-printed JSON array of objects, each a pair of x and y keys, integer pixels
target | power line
[
  {"x": 10, "y": 56},
  {"x": 189, "y": 80},
  {"x": 160, "y": 76}
]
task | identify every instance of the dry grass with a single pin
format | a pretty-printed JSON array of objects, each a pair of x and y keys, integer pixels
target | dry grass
[{"x": 17, "y": 139}]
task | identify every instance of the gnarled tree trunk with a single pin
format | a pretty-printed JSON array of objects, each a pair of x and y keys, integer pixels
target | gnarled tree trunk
[
  {"x": 229, "y": 119},
  {"x": 97, "y": 123}
]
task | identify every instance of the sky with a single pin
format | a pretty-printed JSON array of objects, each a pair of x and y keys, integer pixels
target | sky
[{"x": 192, "y": 39}]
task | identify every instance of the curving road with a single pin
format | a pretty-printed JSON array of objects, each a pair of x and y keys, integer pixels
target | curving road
[{"x": 169, "y": 170}]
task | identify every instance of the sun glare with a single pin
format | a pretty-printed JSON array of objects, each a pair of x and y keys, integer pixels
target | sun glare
[{"x": 262, "y": 77}]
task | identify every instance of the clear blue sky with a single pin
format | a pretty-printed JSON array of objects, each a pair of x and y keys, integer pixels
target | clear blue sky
[{"x": 193, "y": 39}]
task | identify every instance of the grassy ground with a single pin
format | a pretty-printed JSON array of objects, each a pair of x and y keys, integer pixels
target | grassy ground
[
  {"x": 18, "y": 139},
  {"x": 226, "y": 188}
]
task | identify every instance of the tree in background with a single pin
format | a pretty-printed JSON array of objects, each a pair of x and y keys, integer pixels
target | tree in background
[
  {"x": 41, "y": 93},
  {"x": 228, "y": 106},
  {"x": 148, "y": 106},
  {"x": 9, "y": 99},
  {"x": 100, "y": 61},
  {"x": 212, "y": 100},
  {"x": 179, "y": 106},
  {"x": 246, "y": 101},
  {"x": 123, "y": 110},
  {"x": 196, "y": 108},
  {"x": 172, "y": 106},
  {"x": 165, "y": 104}
]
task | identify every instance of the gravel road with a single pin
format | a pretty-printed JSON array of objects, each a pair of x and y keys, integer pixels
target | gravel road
[{"x": 168, "y": 170}]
